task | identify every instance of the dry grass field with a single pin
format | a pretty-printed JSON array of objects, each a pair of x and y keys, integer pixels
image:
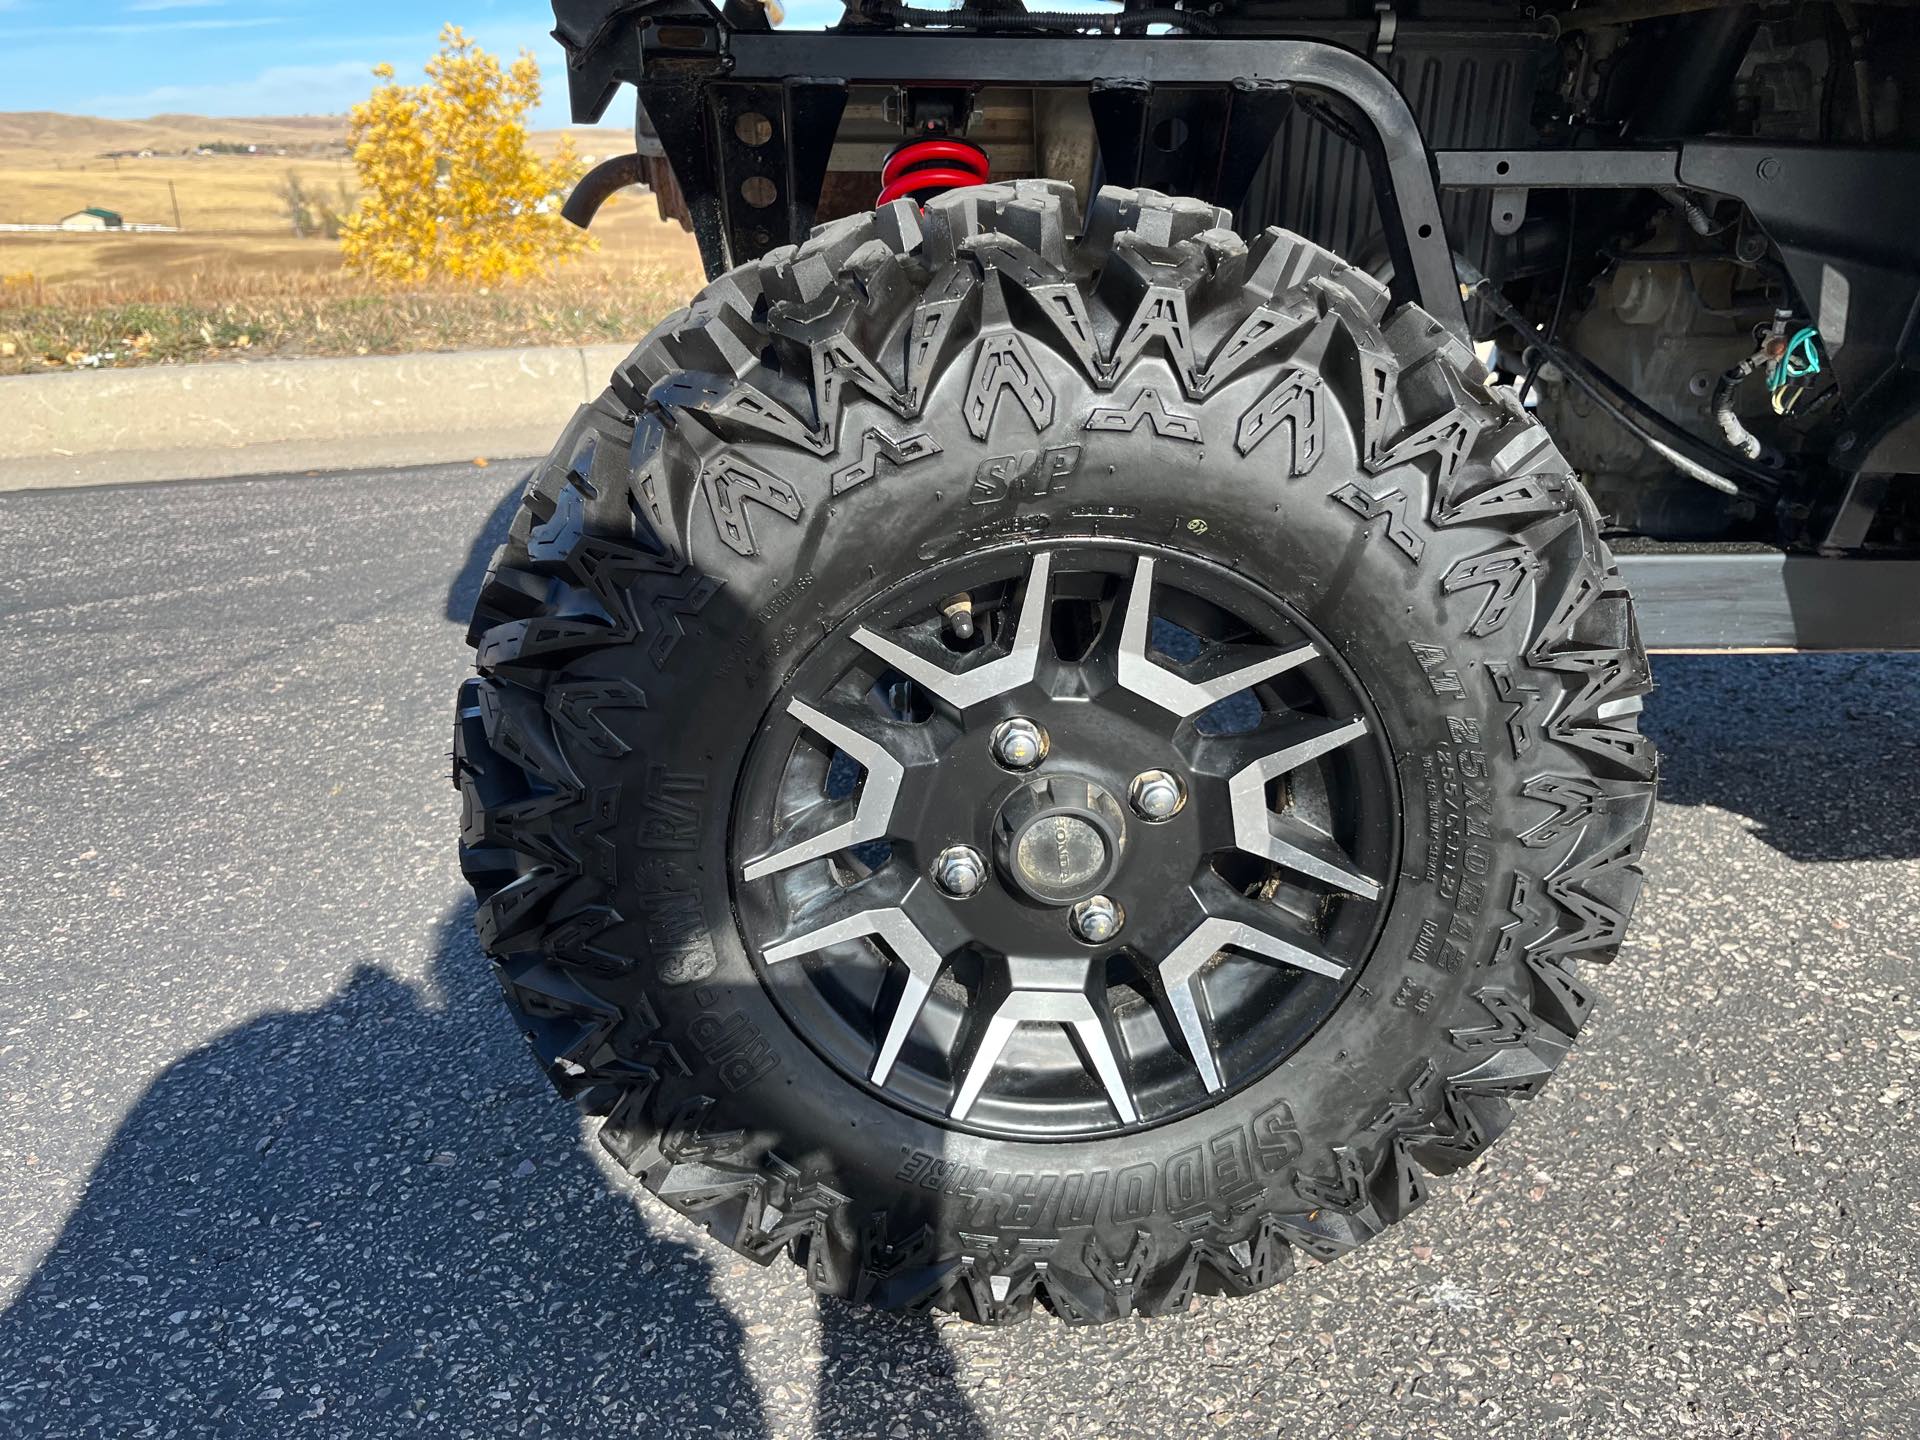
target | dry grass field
[
  {"x": 82, "y": 138},
  {"x": 237, "y": 283}
]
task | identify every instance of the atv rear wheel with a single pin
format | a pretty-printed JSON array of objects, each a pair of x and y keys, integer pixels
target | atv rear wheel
[{"x": 1020, "y": 765}]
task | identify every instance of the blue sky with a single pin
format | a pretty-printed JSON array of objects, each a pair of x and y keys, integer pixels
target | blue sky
[{"x": 126, "y": 59}]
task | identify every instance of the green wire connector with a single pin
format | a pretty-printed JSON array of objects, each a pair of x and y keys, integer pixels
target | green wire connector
[{"x": 1799, "y": 360}]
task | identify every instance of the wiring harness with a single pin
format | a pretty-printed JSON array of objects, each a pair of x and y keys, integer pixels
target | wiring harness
[{"x": 1792, "y": 374}]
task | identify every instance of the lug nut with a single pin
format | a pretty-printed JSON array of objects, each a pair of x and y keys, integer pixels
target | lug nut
[
  {"x": 1096, "y": 919},
  {"x": 1156, "y": 795},
  {"x": 960, "y": 871},
  {"x": 1019, "y": 744}
]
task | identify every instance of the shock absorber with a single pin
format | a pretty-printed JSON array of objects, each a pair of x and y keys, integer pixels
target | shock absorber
[{"x": 925, "y": 167}]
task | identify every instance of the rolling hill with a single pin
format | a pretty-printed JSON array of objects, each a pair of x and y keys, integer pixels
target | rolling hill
[{"x": 29, "y": 135}]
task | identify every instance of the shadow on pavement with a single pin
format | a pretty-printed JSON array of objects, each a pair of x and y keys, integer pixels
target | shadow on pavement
[
  {"x": 375, "y": 1215},
  {"x": 465, "y": 587},
  {"x": 370, "y": 1215},
  {"x": 880, "y": 1374},
  {"x": 884, "y": 1375},
  {"x": 1738, "y": 731}
]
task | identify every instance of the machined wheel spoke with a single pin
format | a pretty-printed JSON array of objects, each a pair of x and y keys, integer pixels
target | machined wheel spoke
[
  {"x": 1282, "y": 839},
  {"x": 962, "y": 688},
  {"x": 1036, "y": 788},
  {"x": 887, "y": 888},
  {"x": 894, "y": 928},
  {"x": 906, "y": 1011},
  {"x": 872, "y": 813},
  {"x": 1180, "y": 971},
  {"x": 1173, "y": 692},
  {"x": 1069, "y": 1008},
  {"x": 1297, "y": 846}
]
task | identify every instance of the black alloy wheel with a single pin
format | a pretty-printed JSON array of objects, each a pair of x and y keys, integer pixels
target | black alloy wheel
[{"x": 1138, "y": 809}]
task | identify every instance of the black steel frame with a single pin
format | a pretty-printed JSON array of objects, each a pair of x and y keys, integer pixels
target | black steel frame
[
  {"x": 748, "y": 118},
  {"x": 697, "y": 81},
  {"x": 1726, "y": 599}
]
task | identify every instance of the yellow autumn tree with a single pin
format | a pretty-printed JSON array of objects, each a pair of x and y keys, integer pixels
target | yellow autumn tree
[{"x": 450, "y": 184}]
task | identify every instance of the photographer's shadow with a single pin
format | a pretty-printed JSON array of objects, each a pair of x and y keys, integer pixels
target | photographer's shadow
[
  {"x": 367, "y": 1215},
  {"x": 376, "y": 1213}
]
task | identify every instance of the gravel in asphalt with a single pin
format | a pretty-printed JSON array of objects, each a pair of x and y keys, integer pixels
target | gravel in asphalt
[{"x": 274, "y": 1162}]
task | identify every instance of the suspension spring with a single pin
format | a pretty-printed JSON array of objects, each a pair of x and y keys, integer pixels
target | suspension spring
[{"x": 923, "y": 168}]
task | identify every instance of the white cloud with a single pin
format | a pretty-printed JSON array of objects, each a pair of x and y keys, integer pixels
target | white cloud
[
  {"x": 135, "y": 27},
  {"x": 277, "y": 90},
  {"x": 332, "y": 87}
]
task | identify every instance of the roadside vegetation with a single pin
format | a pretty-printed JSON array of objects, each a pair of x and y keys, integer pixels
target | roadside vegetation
[
  {"x": 450, "y": 185},
  {"x": 240, "y": 316},
  {"x": 438, "y": 229}
]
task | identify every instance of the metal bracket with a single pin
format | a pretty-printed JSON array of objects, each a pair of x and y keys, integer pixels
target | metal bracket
[
  {"x": 1186, "y": 140},
  {"x": 676, "y": 101},
  {"x": 1254, "y": 116},
  {"x": 1120, "y": 110},
  {"x": 1386, "y": 29},
  {"x": 1509, "y": 208}
]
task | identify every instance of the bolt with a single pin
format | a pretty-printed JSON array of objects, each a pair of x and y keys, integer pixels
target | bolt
[
  {"x": 1096, "y": 919},
  {"x": 1019, "y": 744},
  {"x": 959, "y": 871},
  {"x": 1155, "y": 795},
  {"x": 1768, "y": 169}
]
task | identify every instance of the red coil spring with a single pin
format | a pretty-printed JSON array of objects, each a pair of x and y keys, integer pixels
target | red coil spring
[{"x": 921, "y": 168}]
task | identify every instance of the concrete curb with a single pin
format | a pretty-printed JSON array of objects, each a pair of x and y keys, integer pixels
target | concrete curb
[{"x": 191, "y": 422}]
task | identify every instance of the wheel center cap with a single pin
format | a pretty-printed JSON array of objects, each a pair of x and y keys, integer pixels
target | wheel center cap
[
  {"x": 1060, "y": 853},
  {"x": 1059, "y": 839}
]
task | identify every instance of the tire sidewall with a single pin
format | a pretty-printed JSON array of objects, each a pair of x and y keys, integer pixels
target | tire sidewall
[{"x": 1377, "y": 599}]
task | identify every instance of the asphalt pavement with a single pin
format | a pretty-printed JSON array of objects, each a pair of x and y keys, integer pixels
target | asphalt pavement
[{"x": 274, "y": 1163}]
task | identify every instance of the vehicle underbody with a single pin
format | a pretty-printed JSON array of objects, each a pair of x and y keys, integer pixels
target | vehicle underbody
[{"x": 1660, "y": 192}]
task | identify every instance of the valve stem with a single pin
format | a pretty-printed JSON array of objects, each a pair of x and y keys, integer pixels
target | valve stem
[{"x": 958, "y": 611}]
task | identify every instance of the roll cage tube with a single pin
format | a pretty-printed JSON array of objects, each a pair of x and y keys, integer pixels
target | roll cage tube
[{"x": 753, "y": 187}]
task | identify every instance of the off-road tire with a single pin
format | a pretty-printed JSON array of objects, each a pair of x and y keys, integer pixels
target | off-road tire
[{"x": 819, "y": 425}]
